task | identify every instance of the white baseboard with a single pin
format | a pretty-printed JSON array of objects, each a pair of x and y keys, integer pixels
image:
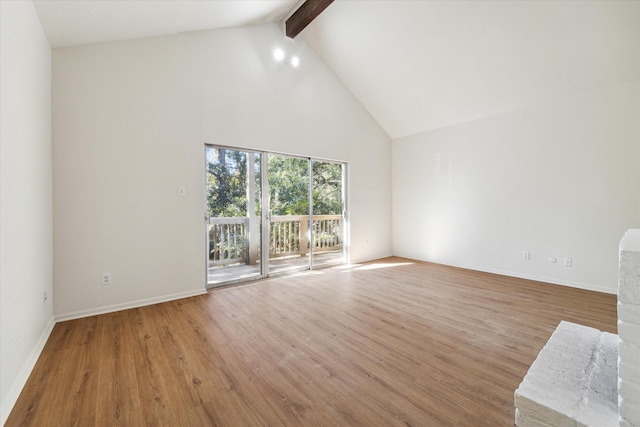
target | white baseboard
[
  {"x": 127, "y": 305},
  {"x": 551, "y": 280},
  {"x": 25, "y": 372},
  {"x": 584, "y": 286}
]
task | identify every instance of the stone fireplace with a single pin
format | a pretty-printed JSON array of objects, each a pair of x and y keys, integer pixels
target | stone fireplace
[{"x": 585, "y": 377}]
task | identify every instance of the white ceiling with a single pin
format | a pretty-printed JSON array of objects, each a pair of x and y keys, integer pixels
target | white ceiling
[
  {"x": 422, "y": 65},
  {"x": 78, "y": 22},
  {"x": 414, "y": 65}
]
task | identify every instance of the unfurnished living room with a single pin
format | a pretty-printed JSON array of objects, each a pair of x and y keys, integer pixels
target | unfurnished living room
[{"x": 319, "y": 213}]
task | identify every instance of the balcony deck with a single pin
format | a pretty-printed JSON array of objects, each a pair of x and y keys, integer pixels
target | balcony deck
[{"x": 238, "y": 272}]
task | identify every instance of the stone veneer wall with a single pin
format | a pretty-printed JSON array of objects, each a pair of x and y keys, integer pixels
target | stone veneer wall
[{"x": 629, "y": 330}]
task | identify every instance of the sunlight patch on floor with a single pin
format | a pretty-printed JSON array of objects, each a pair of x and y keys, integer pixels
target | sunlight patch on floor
[{"x": 377, "y": 266}]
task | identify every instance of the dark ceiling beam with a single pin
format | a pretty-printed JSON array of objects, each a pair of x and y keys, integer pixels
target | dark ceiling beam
[{"x": 302, "y": 17}]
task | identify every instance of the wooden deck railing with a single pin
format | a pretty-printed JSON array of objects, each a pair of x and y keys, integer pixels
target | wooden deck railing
[
  {"x": 228, "y": 240},
  {"x": 288, "y": 236}
]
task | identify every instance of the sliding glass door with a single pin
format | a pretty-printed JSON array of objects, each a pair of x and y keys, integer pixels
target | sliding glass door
[
  {"x": 289, "y": 236},
  {"x": 328, "y": 213},
  {"x": 271, "y": 213},
  {"x": 234, "y": 215}
]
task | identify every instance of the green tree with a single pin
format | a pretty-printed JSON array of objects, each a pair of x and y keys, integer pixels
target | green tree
[
  {"x": 327, "y": 188},
  {"x": 288, "y": 184},
  {"x": 227, "y": 182}
]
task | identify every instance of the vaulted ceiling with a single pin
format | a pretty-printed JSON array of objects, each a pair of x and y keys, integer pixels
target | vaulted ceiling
[
  {"x": 414, "y": 65},
  {"x": 78, "y": 22},
  {"x": 421, "y": 65}
]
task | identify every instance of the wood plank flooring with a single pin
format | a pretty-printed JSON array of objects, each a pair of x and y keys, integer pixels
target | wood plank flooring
[{"x": 392, "y": 342}]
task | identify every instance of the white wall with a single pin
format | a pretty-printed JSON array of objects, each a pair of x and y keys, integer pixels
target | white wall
[
  {"x": 560, "y": 179},
  {"x": 26, "y": 233},
  {"x": 130, "y": 123}
]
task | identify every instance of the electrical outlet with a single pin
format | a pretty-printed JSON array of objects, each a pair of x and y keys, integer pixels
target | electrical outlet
[
  {"x": 526, "y": 255},
  {"x": 106, "y": 278},
  {"x": 568, "y": 262}
]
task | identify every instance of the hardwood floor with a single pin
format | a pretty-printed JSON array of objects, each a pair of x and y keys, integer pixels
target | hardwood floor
[{"x": 393, "y": 342}]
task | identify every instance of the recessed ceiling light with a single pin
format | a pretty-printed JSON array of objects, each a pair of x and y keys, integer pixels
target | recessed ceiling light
[
  {"x": 278, "y": 54},
  {"x": 295, "y": 61}
]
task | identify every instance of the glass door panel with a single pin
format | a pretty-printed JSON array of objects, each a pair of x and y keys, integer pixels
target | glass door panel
[
  {"x": 234, "y": 215},
  {"x": 270, "y": 213},
  {"x": 288, "y": 179},
  {"x": 328, "y": 222}
]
